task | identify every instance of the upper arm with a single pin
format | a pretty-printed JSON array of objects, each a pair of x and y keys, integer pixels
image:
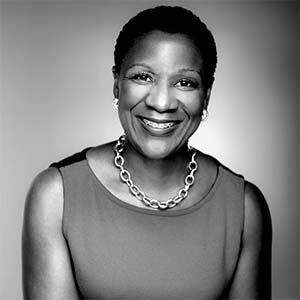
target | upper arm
[
  {"x": 252, "y": 279},
  {"x": 47, "y": 269}
]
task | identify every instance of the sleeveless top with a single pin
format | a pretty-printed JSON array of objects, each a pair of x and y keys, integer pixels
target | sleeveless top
[{"x": 120, "y": 251}]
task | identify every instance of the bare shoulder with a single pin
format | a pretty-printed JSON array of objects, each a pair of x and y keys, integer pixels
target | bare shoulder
[
  {"x": 46, "y": 263},
  {"x": 44, "y": 201},
  {"x": 257, "y": 215},
  {"x": 252, "y": 278},
  {"x": 48, "y": 181}
]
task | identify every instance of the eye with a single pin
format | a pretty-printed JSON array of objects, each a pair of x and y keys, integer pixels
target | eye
[
  {"x": 141, "y": 78},
  {"x": 187, "y": 84}
]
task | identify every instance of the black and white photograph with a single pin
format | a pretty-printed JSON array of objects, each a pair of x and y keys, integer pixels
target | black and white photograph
[{"x": 149, "y": 149}]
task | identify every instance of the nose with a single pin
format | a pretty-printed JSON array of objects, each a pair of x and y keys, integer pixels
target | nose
[{"x": 161, "y": 98}]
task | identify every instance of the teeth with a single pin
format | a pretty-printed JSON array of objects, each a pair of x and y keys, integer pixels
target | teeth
[{"x": 158, "y": 125}]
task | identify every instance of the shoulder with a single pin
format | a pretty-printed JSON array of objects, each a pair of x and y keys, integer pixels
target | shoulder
[
  {"x": 46, "y": 264},
  {"x": 101, "y": 151},
  {"x": 44, "y": 201},
  {"x": 98, "y": 152},
  {"x": 209, "y": 166},
  {"x": 213, "y": 168},
  {"x": 74, "y": 158},
  {"x": 47, "y": 184},
  {"x": 257, "y": 221},
  {"x": 101, "y": 156}
]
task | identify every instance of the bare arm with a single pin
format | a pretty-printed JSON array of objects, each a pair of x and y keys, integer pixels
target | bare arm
[
  {"x": 47, "y": 270},
  {"x": 252, "y": 278}
]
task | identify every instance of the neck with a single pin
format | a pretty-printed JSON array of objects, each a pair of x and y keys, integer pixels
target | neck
[{"x": 158, "y": 174}]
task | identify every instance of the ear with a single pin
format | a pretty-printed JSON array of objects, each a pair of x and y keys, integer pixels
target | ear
[{"x": 116, "y": 82}]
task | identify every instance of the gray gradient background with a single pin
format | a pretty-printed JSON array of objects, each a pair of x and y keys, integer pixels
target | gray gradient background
[{"x": 56, "y": 94}]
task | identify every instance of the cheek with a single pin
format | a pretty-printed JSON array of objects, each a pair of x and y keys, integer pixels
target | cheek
[
  {"x": 192, "y": 104},
  {"x": 131, "y": 94}
]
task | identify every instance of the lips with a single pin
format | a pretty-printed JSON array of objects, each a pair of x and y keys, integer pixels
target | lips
[{"x": 158, "y": 126}]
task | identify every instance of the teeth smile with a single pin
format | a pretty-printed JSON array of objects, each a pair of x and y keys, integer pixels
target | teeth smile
[{"x": 158, "y": 125}]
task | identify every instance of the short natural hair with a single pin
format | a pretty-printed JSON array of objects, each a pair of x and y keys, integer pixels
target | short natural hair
[{"x": 170, "y": 19}]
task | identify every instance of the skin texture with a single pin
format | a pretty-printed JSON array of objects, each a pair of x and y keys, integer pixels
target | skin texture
[
  {"x": 153, "y": 83},
  {"x": 161, "y": 79},
  {"x": 47, "y": 270},
  {"x": 252, "y": 278}
]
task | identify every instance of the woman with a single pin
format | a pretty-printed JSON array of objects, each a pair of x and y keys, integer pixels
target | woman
[{"x": 147, "y": 216}]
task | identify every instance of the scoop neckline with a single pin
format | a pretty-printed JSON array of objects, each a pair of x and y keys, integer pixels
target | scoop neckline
[{"x": 163, "y": 213}]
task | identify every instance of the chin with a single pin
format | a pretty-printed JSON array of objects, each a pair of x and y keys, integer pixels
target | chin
[
  {"x": 157, "y": 150},
  {"x": 156, "y": 155}
]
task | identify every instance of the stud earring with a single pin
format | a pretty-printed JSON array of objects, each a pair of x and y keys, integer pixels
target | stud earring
[
  {"x": 115, "y": 103},
  {"x": 204, "y": 115}
]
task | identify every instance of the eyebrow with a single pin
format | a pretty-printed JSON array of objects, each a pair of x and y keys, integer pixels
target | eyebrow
[
  {"x": 179, "y": 70},
  {"x": 140, "y": 65},
  {"x": 190, "y": 70}
]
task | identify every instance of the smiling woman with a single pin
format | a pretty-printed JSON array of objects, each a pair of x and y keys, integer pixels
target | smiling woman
[
  {"x": 161, "y": 93},
  {"x": 148, "y": 216}
]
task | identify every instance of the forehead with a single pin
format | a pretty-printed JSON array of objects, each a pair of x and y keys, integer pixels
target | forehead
[{"x": 157, "y": 47}]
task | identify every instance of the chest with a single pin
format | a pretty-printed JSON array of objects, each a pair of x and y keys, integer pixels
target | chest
[{"x": 147, "y": 257}]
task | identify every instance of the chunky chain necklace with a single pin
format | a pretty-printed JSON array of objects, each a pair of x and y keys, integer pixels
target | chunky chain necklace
[{"x": 140, "y": 195}]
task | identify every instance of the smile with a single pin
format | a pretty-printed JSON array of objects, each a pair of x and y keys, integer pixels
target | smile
[{"x": 156, "y": 125}]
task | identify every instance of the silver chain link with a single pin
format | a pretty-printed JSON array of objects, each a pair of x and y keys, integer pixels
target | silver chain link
[{"x": 140, "y": 195}]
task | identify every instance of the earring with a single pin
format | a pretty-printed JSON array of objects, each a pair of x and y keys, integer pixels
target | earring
[
  {"x": 204, "y": 115},
  {"x": 115, "y": 103},
  {"x": 189, "y": 145}
]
